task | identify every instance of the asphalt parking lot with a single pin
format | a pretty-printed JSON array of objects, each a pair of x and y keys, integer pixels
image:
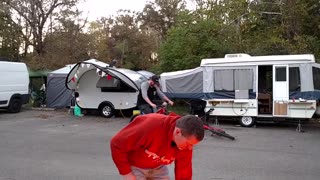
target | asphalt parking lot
[{"x": 55, "y": 145}]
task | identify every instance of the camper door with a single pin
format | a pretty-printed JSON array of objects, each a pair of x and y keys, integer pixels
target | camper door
[{"x": 280, "y": 90}]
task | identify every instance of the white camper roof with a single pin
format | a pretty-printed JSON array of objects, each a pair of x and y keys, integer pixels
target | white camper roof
[
  {"x": 132, "y": 78},
  {"x": 68, "y": 67},
  {"x": 64, "y": 70},
  {"x": 96, "y": 62},
  {"x": 245, "y": 60}
]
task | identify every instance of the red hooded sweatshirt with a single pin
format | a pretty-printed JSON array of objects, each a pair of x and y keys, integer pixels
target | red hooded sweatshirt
[{"x": 147, "y": 143}]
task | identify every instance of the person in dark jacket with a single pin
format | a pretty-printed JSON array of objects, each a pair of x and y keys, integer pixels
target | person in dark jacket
[{"x": 149, "y": 92}]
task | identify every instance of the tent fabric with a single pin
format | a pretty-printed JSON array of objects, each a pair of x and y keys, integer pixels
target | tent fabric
[
  {"x": 183, "y": 84},
  {"x": 245, "y": 71},
  {"x": 306, "y": 77},
  {"x": 209, "y": 82},
  {"x": 146, "y": 74},
  {"x": 57, "y": 95}
]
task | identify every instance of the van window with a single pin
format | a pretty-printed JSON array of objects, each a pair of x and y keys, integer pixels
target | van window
[
  {"x": 233, "y": 79},
  {"x": 294, "y": 79},
  {"x": 316, "y": 78}
]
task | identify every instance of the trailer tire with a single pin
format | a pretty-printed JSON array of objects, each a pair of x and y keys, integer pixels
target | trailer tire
[
  {"x": 247, "y": 121},
  {"x": 106, "y": 110},
  {"x": 15, "y": 105}
]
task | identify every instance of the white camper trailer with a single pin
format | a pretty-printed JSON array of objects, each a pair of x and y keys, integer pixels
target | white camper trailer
[
  {"x": 14, "y": 85},
  {"x": 244, "y": 86},
  {"x": 105, "y": 88}
]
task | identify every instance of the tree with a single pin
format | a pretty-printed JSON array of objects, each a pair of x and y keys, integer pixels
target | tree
[
  {"x": 161, "y": 15},
  {"x": 66, "y": 45},
  {"x": 10, "y": 37},
  {"x": 121, "y": 38},
  {"x": 185, "y": 46},
  {"x": 36, "y": 14}
]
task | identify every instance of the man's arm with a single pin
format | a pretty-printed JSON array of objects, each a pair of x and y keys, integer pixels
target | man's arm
[
  {"x": 129, "y": 176},
  {"x": 183, "y": 165},
  {"x": 163, "y": 96},
  {"x": 144, "y": 92}
]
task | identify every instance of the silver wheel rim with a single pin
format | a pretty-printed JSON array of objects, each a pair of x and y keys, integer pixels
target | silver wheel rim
[
  {"x": 246, "y": 120},
  {"x": 106, "y": 110}
]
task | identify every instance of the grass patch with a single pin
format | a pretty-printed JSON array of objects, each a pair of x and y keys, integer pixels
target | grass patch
[{"x": 180, "y": 107}]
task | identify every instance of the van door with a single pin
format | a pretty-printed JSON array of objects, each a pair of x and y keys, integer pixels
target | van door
[{"x": 280, "y": 90}]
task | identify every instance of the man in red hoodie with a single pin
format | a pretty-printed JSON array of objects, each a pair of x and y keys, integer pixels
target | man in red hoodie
[{"x": 144, "y": 147}]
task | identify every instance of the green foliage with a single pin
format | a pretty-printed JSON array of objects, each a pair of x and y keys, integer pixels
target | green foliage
[
  {"x": 161, "y": 15},
  {"x": 10, "y": 36},
  {"x": 185, "y": 46},
  {"x": 179, "y": 107},
  {"x": 165, "y": 36}
]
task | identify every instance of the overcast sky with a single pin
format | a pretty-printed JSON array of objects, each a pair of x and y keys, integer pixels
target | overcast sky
[{"x": 97, "y": 8}]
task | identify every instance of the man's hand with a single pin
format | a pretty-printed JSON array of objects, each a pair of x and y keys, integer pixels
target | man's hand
[
  {"x": 129, "y": 176},
  {"x": 171, "y": 103},
  {"x": 153, "y": 106}
]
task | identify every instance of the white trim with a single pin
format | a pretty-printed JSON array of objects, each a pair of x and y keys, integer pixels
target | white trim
[{"x": 259, "y": 60}]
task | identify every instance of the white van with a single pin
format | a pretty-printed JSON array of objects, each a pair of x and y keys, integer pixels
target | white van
[{"x": 14, "y": 85}]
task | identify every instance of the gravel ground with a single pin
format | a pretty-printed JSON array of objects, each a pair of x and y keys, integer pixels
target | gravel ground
[{"x": 55, "y": 145}]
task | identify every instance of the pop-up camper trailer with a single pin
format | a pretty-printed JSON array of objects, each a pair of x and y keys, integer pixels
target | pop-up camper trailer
[
  {"x": 244, "y": 86},
  {"x": 99, "y": 86}
]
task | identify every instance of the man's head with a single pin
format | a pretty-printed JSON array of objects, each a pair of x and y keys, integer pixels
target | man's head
[
  {"x": 154, "y": 80},
  {"x": 188, "y": 132}
]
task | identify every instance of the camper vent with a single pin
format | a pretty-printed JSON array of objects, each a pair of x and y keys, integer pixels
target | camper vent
[{"x": 236, "y": 55}]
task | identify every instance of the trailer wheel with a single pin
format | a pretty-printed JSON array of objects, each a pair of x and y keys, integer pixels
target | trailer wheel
[
  {"x": 247, "y": 121},
  {"x": 106, "y": 110},
  {"x": 15, "y": 105}
]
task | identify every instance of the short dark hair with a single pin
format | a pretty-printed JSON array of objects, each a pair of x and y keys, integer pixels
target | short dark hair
[{"x": 191, "y": 125}]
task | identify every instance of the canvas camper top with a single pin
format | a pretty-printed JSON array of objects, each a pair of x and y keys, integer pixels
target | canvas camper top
[{"x": 245, "y": 60}]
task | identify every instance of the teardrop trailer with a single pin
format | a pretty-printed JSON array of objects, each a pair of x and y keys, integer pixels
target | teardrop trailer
[
  {"x": 250, "y": 87},
  {"x": 104, "y": 88}
]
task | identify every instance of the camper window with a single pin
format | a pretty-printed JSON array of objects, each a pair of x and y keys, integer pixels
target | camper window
[
  {"x": 223, "y": 80},
  {"x": 113, "y": 85},
  {"x": 316, "y": 78},
  {"x": 294, "y": 79},
  {"x": 104, "y": 82},
  {"x": 232, "y": 79},
  {"x": 281, "y": 74}
]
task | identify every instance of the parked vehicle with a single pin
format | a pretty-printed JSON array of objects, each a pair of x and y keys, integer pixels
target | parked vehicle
[
  {"x": 104, "y": 88},
  {"x": 250, "y": 87},
  {"x": 14, "y": 85}
]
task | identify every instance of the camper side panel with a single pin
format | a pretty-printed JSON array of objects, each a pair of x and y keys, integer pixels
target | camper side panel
[{"x": 91, "y": 93}]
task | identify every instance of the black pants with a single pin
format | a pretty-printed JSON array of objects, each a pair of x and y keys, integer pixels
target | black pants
[{"x": 145, "y": 109}]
